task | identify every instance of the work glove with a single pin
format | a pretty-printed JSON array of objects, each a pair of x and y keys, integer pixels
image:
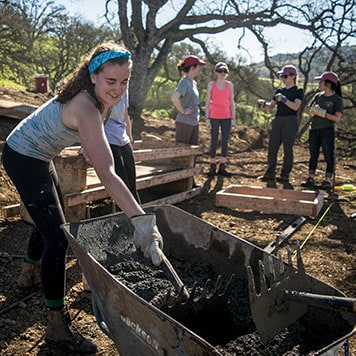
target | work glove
[
  {"x": 279, "y": 97},
  {"x": 261, "y": 103},
  {"x": 147, "y": 238},
  {"x": 208, "y": 123},
  {"x": 233, "y": 122},
  {"x": 316, "y": 110}
]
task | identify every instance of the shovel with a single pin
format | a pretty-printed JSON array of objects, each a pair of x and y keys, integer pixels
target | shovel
[
  {"x": 286, "y": 299},
  {"x": 173, "y": 276}
]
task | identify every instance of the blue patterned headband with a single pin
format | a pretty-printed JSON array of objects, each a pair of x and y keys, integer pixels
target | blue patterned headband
[{"x": 103, "y": 57}]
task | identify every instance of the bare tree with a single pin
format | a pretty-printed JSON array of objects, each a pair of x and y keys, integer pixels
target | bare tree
[
  {"x": 151, "y": 44},
  {"x": 23, "y": 23},
  {"x": 332, "y": 26},
  {"x": 71, "y": 39},
  {"x": 39, "y": 37}
]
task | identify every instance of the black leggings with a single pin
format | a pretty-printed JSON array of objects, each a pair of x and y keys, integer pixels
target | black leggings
[
  {"x": 225, "y": 125},
  {"x": 37, "y": 184},
  {"x": 125, "y": 166}
]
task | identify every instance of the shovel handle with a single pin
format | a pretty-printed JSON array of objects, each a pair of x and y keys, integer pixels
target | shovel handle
[
  {"x": 173, "y": 276},
  {"x": 319, "y": 300}
]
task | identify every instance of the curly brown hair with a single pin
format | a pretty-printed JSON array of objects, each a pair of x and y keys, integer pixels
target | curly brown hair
[{"x": 80, "y": 80}]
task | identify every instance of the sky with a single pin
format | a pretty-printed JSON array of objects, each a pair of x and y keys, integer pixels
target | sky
[{"x": 283, "y": 39}]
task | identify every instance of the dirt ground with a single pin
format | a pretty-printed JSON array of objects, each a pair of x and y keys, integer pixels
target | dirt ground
[{"x": 328, "y": 243}]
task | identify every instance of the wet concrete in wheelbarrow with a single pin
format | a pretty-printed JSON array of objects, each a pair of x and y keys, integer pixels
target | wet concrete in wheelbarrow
[{"x": 227, "y": 326}]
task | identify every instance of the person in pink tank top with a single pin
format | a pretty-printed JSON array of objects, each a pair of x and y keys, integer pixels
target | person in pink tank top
[{"x": 220, "y": 112}]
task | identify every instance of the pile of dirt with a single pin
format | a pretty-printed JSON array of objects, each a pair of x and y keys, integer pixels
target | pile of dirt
[
  {"x": 328, "y": 243},
  {"x": 24, "y": 96}
]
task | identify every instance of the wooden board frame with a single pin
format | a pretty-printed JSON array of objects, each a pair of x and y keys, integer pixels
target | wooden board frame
[{"x": 271, "y": 200}]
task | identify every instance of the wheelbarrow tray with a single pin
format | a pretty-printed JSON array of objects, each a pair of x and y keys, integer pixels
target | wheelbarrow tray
[{"x": 139, "y": 327}]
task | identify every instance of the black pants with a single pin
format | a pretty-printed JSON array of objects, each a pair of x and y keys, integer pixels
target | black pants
[
  {"x": 125, "y": 167},
  {"x": 284, "y": 130},
  {"x": 323, "y": 138},
  {"x": 187, "y": 133},
  {"x": 225, "y": 125},
  {"x": 37, "y": 184}
]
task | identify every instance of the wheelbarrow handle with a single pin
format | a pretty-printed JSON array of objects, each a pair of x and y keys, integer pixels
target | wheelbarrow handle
[{"x": 320, "y": 300}]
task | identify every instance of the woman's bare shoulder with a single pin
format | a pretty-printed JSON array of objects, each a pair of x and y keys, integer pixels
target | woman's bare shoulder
[{"x": 79, "y": 108}]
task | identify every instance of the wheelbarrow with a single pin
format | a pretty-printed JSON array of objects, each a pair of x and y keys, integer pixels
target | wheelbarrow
[{"x": 137, "y": 306}]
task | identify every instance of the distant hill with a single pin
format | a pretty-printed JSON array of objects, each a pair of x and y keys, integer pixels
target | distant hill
[{"x": 318, "y": 64}]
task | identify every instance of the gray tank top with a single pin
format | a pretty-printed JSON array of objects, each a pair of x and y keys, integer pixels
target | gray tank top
[{"x": 42, "y": 134}]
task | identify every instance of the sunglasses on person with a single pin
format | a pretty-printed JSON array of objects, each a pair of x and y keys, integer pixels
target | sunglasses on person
[
  {"x": 286, "y": 75},
  {"x": 221, "y": 70}
]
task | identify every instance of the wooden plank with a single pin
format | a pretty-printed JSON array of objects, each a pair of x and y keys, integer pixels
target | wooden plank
[
  {"x": 15, "y": 110},
  {"x": 175, "y": 198},
  {"x": 92, "y": 180},
  {"x": 71, "y": 169},
  {"x": 97, "y": 193},
  {"x": 150, "y": 154},
  {"x": 160, "y": 153},
  {"x": 270, "y": 200},
  {"x": 147, "y": 182},
  {"x": 11, "y": 210},
  {"x": 271, "y": 192}
]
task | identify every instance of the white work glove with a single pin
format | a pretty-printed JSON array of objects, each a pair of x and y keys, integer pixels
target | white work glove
[
  {"x": 280, "y": 98},
  {"x": 316, "y": 110},
  {"x": 147, "y": 238},
  {"x": 208, "y": 123},
  {"x": 233, "y": 122},
  {"x": 261, "y": 103}
]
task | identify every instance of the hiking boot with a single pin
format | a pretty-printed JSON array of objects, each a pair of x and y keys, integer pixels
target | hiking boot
[
  {"x": 282, "y": 179},
  {"x": 222, "y": 170},
  {"x": 308, "y": 183},
  {"x": 267, "y": 178},
  {"x": 62, "y": 334},
  {"x": 212, "y": 170},
  {"x": 30, "y": 277},
  {"x": 325, "y": 185}
]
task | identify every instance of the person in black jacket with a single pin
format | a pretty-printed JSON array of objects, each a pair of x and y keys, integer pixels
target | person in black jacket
[{"x": 285, "y": 124}]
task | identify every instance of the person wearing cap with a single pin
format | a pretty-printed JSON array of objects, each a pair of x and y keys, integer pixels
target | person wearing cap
[
  {"x": 285, "y": 124},
  {"x": 185, "y": 98},
  {"x": 325, "y": 110},
  {"x": 220, "y": 112}
]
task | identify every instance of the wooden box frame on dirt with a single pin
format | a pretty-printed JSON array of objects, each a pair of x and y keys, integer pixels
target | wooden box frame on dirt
[{"x": 271, "y": 200}]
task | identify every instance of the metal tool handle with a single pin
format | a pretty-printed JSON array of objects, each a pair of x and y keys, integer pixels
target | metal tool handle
[
  {"x": 173, "y": 276},
  {"x": 320, "y": 300}
]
